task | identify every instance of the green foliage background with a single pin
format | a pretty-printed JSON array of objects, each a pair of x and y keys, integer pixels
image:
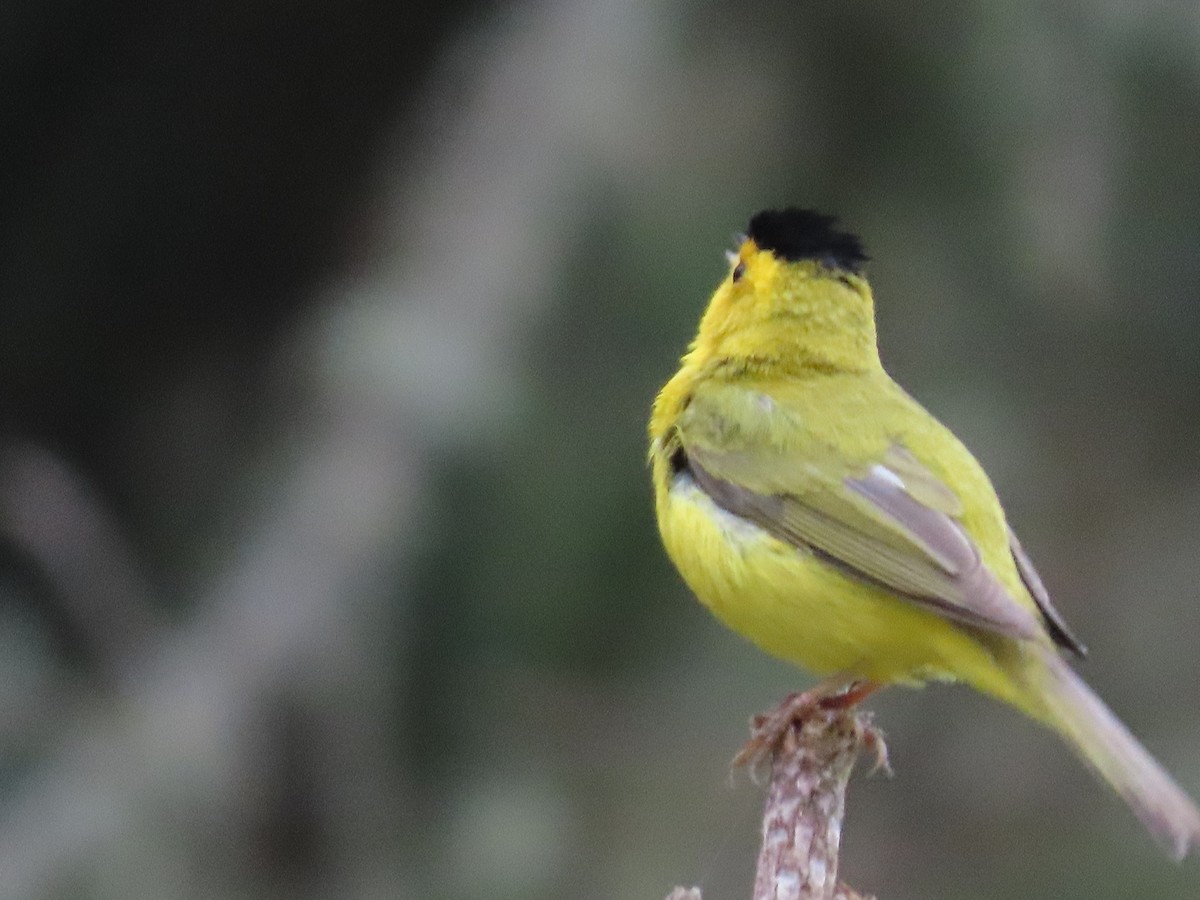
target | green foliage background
[{"x": 327, "y": 339}]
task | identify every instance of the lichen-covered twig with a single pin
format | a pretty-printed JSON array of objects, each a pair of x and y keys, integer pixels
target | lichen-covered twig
[
  {"x": 802, "y": 822},
  {"x": 806, "y": 801}
]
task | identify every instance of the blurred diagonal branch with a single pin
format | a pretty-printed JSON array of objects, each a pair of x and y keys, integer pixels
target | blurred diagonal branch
[
  {"x": 80, "y": 550},
  {"x": 403, "y": 360}
]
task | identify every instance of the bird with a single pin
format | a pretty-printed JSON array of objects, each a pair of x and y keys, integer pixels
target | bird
[{"x": 821, "y": 512}]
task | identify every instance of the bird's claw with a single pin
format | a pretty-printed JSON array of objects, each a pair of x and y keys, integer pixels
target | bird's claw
[{"x": 770, "y": 731}]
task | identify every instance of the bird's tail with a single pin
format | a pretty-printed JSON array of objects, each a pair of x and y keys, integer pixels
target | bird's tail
[{"x": 1071, "y": 708}]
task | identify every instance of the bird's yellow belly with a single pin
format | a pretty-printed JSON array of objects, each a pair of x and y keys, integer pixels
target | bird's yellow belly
[{"x": 803, "y": 609}]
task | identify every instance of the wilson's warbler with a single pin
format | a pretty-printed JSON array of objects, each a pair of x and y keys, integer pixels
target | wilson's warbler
[{"x": 818, "y": 510}]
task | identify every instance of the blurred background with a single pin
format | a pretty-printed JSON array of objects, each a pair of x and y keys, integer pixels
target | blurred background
[{"x": 328, "y": 333}]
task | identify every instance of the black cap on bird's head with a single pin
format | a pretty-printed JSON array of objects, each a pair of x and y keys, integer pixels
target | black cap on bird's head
[{"x": 795, "y": 234}]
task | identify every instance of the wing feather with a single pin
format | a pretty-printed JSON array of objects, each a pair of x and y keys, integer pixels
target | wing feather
[
  {"x": 1057, "y": 625},
  {"x": 893, "y": 524}
]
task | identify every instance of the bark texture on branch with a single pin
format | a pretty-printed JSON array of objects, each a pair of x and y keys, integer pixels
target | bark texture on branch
[{"x": 806, "y": 801}]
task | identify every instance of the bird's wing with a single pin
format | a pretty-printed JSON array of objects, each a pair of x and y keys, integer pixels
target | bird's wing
[
  {"x": 1055, "y": 623},
  {"x": 890, "y": 522}
]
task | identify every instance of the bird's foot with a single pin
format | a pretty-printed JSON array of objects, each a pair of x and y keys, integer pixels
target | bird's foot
[
  {"x": 872, "y": 738},
  {"x": 769, "y": 730}
]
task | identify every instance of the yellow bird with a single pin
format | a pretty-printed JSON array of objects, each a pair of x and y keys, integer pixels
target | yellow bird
[{"x": 821, "y": 512}]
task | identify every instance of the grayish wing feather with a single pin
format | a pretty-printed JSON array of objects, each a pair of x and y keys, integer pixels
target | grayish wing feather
[
  {"x": 979, "y": 598},
  {"x": 1055, "y": 623},
  {"x": 924, "y": 556}
]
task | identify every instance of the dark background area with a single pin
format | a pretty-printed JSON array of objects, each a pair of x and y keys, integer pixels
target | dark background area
[{"x": 328, "y": 333}]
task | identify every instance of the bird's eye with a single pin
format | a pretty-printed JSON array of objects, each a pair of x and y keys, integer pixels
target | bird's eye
[{"x": 738, "y": 271}]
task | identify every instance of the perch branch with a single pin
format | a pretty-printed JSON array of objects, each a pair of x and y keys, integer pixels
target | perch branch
[{"x": 806, "y": 801}]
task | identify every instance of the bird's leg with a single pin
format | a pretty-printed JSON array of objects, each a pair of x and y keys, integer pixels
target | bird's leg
[
  {"x": 854, "y": 693},
  {"x": 767, "y": 730}
]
